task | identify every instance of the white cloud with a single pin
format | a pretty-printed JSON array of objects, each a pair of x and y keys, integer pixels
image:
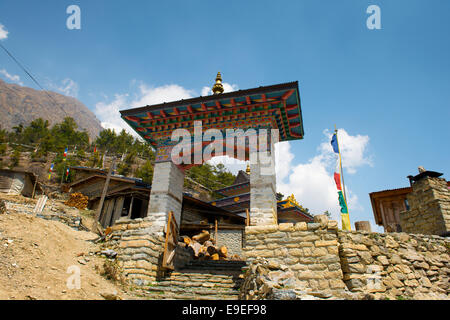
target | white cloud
[
  {"x": 167, "y": 93},
  {"x": 68, "y": 87},
  {"x": 206, "y": 91},
  {"x": 353, "y": 150},
  {"x": 108, "y": 112},
  {"x": 3, "y": 32},
  {"x": 15, "y": 78},
  {"x": 233, "y": 165},
  {"x": 312, "y": 183}
]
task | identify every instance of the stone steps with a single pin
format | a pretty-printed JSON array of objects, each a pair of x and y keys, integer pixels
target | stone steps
[{"x": 203, "y": 280}]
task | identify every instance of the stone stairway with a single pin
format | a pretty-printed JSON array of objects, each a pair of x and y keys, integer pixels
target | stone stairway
[{"x": 199, "y": 280}]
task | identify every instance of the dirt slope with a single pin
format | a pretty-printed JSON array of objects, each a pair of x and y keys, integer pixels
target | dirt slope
[{"x": 35, "y": 255}]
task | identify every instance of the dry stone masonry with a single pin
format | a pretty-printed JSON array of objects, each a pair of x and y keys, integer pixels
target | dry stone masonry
[
  {"x": 307, "y": 252},
  {"x": 317, "y": 260},
  {"x": 302, "y": 261},
  {"x": 139, "y": 249},
  {"x": 429, "y": 211},
  {"x": 396, "y": 264}
]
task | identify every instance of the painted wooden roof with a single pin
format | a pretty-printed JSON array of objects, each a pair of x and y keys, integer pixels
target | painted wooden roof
[{"x": 276, "y": 106}]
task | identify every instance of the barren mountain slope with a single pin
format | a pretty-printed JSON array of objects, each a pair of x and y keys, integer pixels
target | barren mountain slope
[{"x": 22, "y": 105}]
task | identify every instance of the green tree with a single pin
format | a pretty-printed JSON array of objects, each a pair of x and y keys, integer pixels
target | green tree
[
  {"x": 14, "y": 159},
  {"x": 145, "y": 172},
  {"x": 211, "y": 176},
  {"x": 124, "y": 167},
  {"x": 37, "y": 130}
]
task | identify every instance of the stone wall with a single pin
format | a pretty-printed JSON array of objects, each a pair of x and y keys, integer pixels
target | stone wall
[
  {"x": 232, "y": 239},
  {"x": 139, "y": 251},
  {"x": 314, "y": 260},
  {"x": 395, "y": 264},
  {"x": 317, "y": 260},
  {"x": 429, "y": 208},
  {"x": 308, "y": 251}
]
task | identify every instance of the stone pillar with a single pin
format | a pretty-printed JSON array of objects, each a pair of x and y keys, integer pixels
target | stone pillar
[
  {"x": 363, "y": 226},
  {"x": 263, "y": 202},
  {"x": 429, "y": 204},
  {"x": 166, "y": 195}
]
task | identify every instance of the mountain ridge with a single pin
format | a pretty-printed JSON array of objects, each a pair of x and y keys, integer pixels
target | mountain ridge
[{"x": 19, "y": 104}]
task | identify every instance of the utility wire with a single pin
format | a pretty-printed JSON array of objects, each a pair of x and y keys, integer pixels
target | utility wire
[{"x": 31, "y": 77}]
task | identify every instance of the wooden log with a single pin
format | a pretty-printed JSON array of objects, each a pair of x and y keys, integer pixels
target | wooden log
[
  {"x": 208, "y": 243},
  {"x": 211, "y": 250},
  {"x": 186, "y": 240},
  {"x": 215, "y": 256},
  {"x": 202, "y": 237},
  {"x": 223, "y": 251},
  {"x": 196, "y": 247}
]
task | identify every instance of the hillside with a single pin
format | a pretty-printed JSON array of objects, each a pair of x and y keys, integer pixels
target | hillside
[
  {"x": 22, "y": 105},
  {"x": 36, "y": 253}
]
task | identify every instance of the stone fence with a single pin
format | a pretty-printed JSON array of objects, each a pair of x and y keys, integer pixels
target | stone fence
[
  {"x": 395, "y": 264},
  {"x": 309, "y": 251},
  {"x": 315, "y": 259},
  {"x": 327, "y": 262},
  {"x": 139, "y": 250}
]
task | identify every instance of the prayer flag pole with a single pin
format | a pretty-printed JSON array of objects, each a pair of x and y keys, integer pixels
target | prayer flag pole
[{"x": 342, "y": 193}]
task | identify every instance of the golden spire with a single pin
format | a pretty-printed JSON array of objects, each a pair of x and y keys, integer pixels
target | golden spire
[
  {"x": 218, "y": 87},
  {"x": 291, "y": 202},
  {"x": 248, "y": 169}
]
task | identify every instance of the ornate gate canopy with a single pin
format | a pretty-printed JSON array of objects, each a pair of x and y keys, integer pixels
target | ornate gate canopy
[{"x": 270, "y": 107}]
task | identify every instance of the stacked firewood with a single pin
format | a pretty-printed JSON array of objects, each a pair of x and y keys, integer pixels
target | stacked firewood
[
  {"x": 77, "y": 200},
  {"x": 204, "y": 247}
]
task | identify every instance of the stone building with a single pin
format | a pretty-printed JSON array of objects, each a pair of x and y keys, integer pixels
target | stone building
[
  {"x": 422, "y": 207},
  {"x": 429, "y": 205},
  {"x": 236, "y": 199},
  {"x": 128, "y": 199}
]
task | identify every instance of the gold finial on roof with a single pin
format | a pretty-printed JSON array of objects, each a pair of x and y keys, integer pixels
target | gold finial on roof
[
  {"x": 248, "y": 169},
  {"x": 291, "y": 202},
  {"x": 218, "y": 87}
]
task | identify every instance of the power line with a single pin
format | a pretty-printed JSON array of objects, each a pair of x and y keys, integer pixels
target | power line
[{"x": 31, "y": 77}]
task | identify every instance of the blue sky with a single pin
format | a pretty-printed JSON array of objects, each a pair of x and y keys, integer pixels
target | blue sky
[{"x": 388, "y": 89}]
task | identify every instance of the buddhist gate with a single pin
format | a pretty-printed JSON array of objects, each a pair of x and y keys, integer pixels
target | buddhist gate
[{"x": 261, "y": 109}]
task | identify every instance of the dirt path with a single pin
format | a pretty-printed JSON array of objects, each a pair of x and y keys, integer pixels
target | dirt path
[{"x": 35, "y": 255}]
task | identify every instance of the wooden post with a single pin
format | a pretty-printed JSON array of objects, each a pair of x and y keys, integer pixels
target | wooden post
[
  {"x": 131, "y": 208},
  {"x": 215, "y": 233},
  {"x": 102, "y": 199},
  {"x": 248, "y": 217},
  {"x": 34, "y": 187}
]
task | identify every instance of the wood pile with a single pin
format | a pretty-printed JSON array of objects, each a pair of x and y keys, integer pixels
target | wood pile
[
  {"x": 77, "y": 200},
  {"x": 204, "y": 247}
]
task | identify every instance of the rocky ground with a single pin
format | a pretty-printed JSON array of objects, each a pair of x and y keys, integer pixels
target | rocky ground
[{"x": 36, "y": 255}]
